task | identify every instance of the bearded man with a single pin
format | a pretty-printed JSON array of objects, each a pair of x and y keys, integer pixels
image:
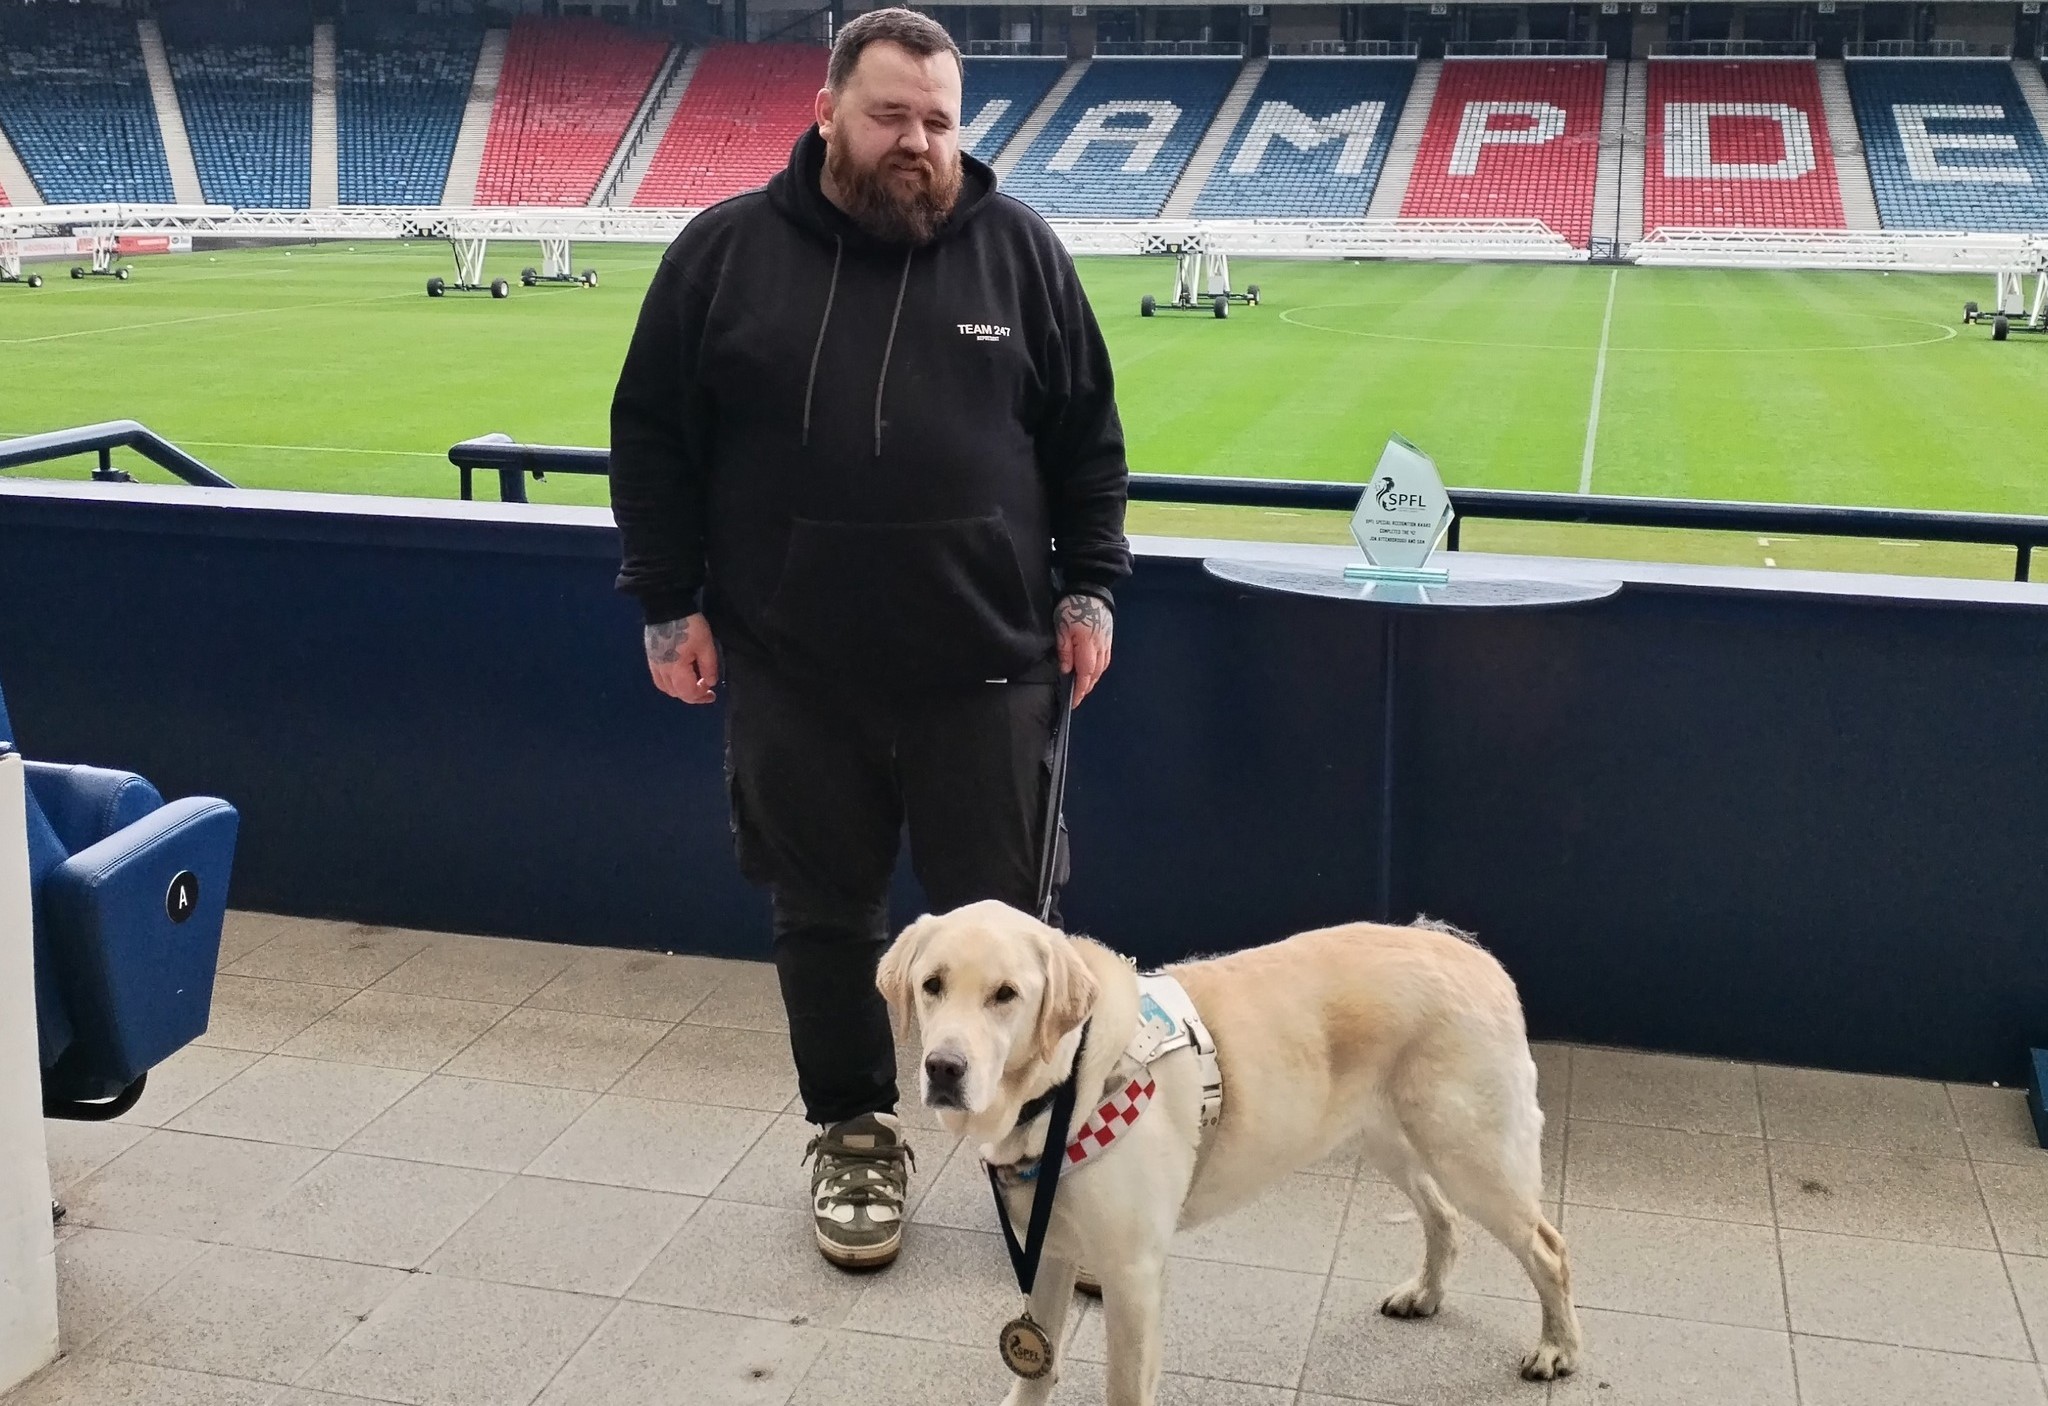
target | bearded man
[{"x": 868, "y": 474}]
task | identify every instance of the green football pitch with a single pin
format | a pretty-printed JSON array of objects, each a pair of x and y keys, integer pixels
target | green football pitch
[{"x": 329, "y": 368}]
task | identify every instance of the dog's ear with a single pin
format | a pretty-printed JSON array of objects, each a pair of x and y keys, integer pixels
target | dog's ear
[
  {"x": 1070, "y": 992},
  {"x": 892, "y": 976}
]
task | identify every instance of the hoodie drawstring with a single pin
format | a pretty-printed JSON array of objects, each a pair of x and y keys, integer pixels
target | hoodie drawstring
[
  {"x": 831, "y": 292},
  {"x": 888, "y": 347}
]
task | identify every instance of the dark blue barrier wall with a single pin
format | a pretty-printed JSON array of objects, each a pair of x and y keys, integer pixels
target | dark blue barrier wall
[{"x": 1780, "y": 818}]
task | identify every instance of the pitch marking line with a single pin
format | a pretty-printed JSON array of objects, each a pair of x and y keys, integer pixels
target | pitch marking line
[
  {"x": 1599, "y": 379},
  {"x": 201, "y": 317}
]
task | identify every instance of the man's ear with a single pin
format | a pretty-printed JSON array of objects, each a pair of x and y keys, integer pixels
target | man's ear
[
  {"x": 821, "y": 112},
  {"x": 1070, "y": 992},
  {"x": 892, "y": 976}
]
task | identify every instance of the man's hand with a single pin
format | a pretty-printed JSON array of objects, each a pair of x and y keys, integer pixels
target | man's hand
[
  {"x": 683, "y": 659},
  {"x": 1084, "y": 625}
]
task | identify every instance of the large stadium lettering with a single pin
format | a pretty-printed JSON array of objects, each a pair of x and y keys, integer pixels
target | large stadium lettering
[
  {"x": 1689, "y": 142},
  {"x": 1356, "y": 125},
  {"x": 972, "y": 134},
  {"x": 1476, "y": 129},
  {"x": 1923, "y": 148},
  {"x": 1145, "y": 139}
]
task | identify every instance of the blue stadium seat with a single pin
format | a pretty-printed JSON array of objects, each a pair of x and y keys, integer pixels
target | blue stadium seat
[
  {"x": 1122, "y": 137},
  {"x": 246, "y": 88},
  {"x": 1018, "y": 85},
  {"x": 1312, "y": 140},
  {"x": 401, "y": 88},
  {"x": 1951, "y": 144},
  {"x": 74, "y": 100}
]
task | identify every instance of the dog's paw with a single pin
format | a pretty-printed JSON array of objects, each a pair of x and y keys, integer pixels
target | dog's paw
[
  {"x": 1546, "y": 1363},
  {"x": 1412, "y": 1300}
]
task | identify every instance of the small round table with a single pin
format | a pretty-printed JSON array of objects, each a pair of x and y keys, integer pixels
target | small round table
[{"x": 1468, "y": 589}]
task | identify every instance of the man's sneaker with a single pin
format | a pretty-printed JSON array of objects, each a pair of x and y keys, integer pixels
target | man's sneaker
[{"x": 860, "y": 1170}]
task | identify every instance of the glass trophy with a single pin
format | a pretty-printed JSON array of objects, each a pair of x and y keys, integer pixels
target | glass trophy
[{"x": 1401, "y": 517}]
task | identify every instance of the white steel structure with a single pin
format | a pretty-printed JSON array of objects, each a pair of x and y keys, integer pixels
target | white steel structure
[{"x": 557, "y": 229}]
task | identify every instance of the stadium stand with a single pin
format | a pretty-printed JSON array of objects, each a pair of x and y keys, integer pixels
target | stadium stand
[
  {"x": 1123, "y": 136},
  {"x": 569, "y": 89},
  {"x": 1312, "y": 141},
  {"x": 1950, "y": 144},
  {"x": 1512, "y": 139},
  {"x": 1738, "y": 144},
  {"x": 744, "y": 110},
  {"x": 74, "y": 100},
  {"x": 245, "y": 85},
  {"x": 998, "y": 94},
  {"x": 399, "y": 97}
]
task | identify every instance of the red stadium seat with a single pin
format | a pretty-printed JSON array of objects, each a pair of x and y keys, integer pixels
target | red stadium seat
[
  {"x": 1512, "y": 139},
  {"x": 745, "y": 108},
  {"x": 1738, "y": 144},
  {"x": 568, "y": 91}
]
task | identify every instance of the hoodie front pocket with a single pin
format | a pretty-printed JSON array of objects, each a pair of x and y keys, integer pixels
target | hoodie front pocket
[{"x": 934, "y": 599}]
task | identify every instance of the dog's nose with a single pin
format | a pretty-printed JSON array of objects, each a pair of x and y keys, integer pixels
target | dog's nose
[{"x": 944, "y": 1069}]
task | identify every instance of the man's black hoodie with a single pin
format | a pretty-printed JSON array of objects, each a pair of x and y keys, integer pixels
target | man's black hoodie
[{"x": 868, "y": 461}]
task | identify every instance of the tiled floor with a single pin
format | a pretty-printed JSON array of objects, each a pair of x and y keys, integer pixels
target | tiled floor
[{"x": 414, "y": 1168}]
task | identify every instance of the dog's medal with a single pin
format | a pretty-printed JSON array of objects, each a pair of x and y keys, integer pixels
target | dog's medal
[{"x": 1026, "y": 1349}]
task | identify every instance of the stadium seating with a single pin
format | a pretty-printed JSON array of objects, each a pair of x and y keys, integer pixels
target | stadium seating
[
  {"x": 1512, "y": 139},
  {"x": 568, "y": 91},
  {"x": 400, "y": 90},
  {"x": 998, "y": 94},
  {"x": 1738, "y": 144},
  {"x": 1122, "y": 137},
  {"x": 1312, "y": 141},
  {"x": 246, "y": 89},
  {"x": 1951, "y": 145},
  {"x": 74, "y": 100},
  {"x": 745, "y": 108}
]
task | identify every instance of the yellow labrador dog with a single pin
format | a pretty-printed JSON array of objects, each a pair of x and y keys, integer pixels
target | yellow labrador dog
[{"x": 1409, "y": 1038}]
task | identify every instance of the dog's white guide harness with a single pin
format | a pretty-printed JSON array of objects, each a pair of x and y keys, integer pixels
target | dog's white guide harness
[{"x": 1167, "y": 1021}]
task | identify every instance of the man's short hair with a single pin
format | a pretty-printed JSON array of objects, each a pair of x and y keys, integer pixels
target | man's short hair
[{"x": 921, "y": 34}]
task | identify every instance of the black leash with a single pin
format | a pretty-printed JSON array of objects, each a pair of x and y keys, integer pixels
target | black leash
[
  {"x": 1026, "y": 1348},
  {"x": 1055, "y": 800}
]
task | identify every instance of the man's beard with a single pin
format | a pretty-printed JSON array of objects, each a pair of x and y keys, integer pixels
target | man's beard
[{"x": 880, "y": 203}]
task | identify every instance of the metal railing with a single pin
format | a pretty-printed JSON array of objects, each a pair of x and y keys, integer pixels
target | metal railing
[
  {"x": 1925, "y": 49},
  {"x": 1013, "y": 49},
  {"x": 512, "y": 462},
  {"x": 1345, "y": 49},
  {"x": 1735, "y": 49},
  {"x": 103, "y": 440},
  {"x": 1525, "y": 49},
  {"x": 1168, "y": 48}
]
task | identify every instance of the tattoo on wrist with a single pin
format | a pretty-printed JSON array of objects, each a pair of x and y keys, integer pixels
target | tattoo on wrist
[
  {"x": 665, "y": 641},
  {"x": 1088, "y": 612}
]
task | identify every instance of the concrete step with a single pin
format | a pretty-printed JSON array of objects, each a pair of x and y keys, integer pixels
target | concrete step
[
  {"x": 643, "y": 134},
  {"x": 1845, "y": 140},
  {"x": 1607, "y": 174},
  {"x": 2034, "y": 90},
  {"x": 468, "y": 160},
  {"x": 1041, "y": 116},
  {"x": 170, "y": 117},
  {"x": 326, "y": 176},
  {"x": 1635, "y": 137},
  {"x": 1181, "y": 203},
  {"x": 14, "y": 178},
  {"x": 1400, "y": 165}
]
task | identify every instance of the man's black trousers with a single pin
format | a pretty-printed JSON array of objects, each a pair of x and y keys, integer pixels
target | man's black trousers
[{"x": 823, "y": 782}]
